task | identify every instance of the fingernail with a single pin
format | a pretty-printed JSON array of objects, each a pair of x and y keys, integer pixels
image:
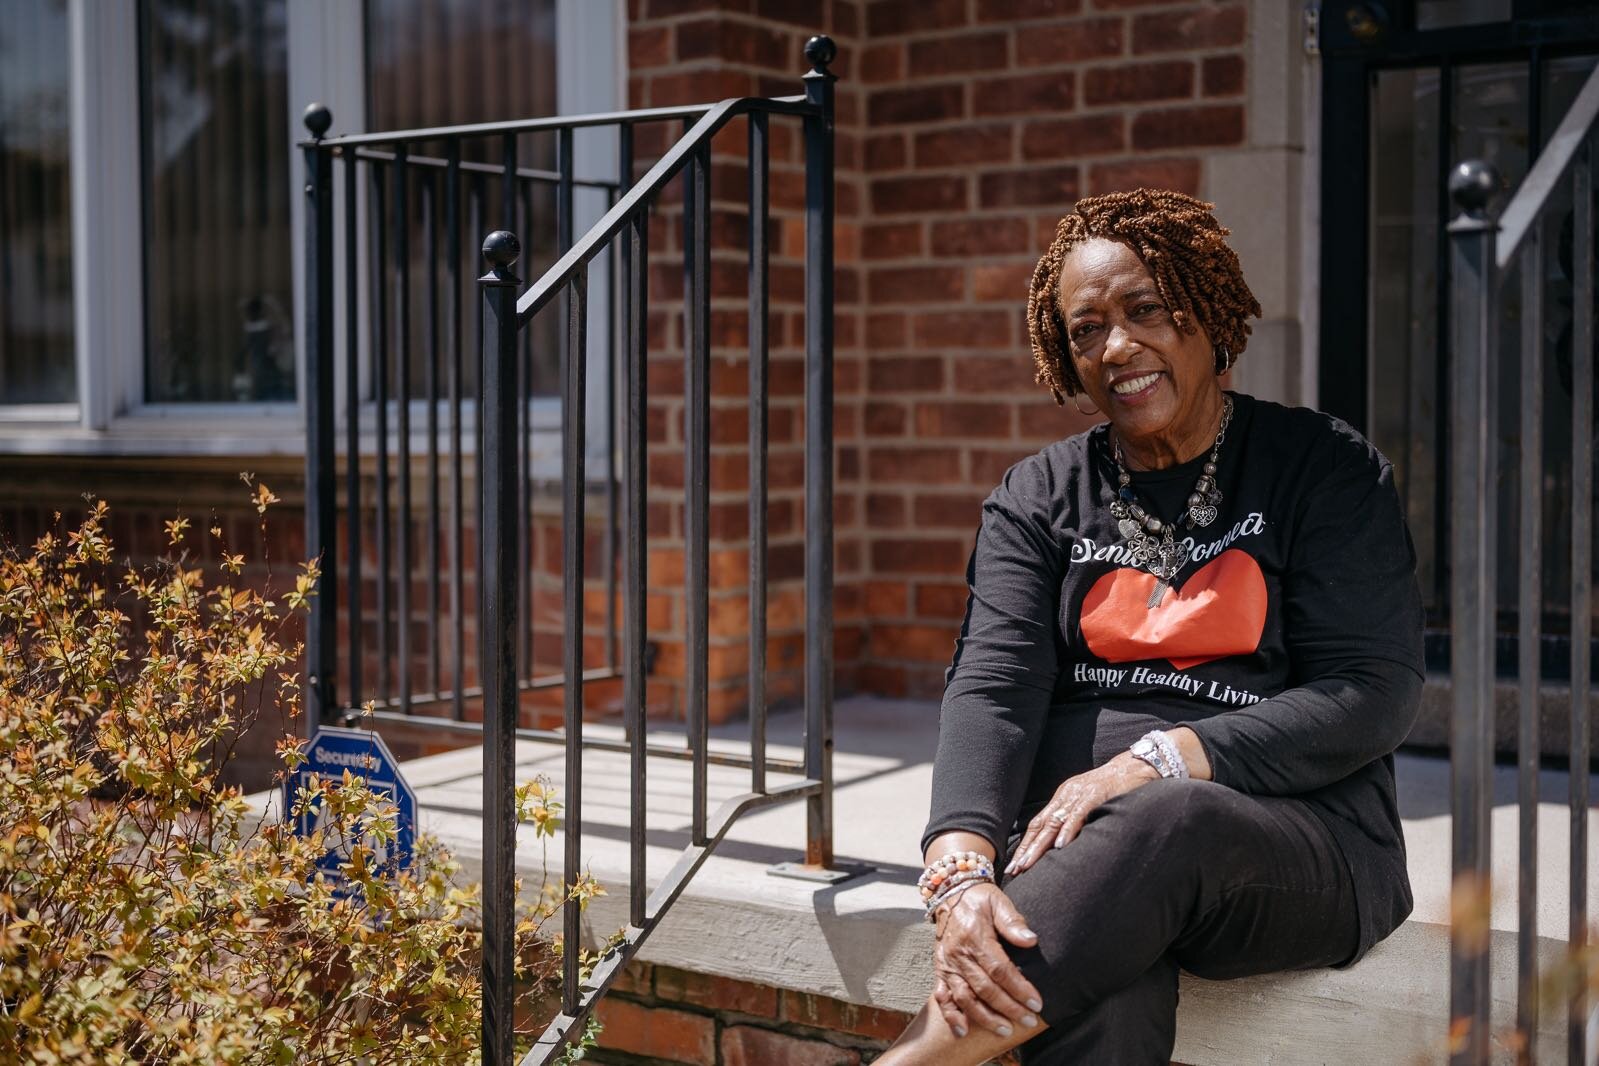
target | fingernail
[
  {"x": 1029, "y": 1021},
  {"x": 960, "y": 1030},
  {"x": 1033, "y": 1004},
  {"x": 1003, "y": 1030},
  {"x": 1010, "y": 869},
  {"x": 1029, "y": 932}
]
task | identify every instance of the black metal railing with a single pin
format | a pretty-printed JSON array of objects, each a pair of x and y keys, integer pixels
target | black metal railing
[
  {"x": 1487, "y": 250},
  {"x": 486, "y": 436}
]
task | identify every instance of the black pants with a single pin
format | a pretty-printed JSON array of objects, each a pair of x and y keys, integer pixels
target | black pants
[{"x": 1176, "y": 874}]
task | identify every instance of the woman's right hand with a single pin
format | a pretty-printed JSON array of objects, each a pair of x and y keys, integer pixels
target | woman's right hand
[{"x": 975, "y": 982}]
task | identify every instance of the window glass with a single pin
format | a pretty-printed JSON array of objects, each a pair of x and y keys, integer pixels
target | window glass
[
  {"x": 451, "y": 62},
  {"x": 1563, "y": 79},
  {"x": 443, "y": 62},
  {"x": 213, "y": 101},
  {"x": 36, "y": 354},
  {"x": 1405, "y": 403}
]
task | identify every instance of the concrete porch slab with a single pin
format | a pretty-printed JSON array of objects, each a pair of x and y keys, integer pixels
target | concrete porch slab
[{"x": 863, "y": 940}]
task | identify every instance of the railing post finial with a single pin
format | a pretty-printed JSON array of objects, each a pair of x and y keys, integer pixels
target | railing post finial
[
  {"x": 820, "y": 51},
  {"x": 501, "y": 249},
  {"x": 318, "y": 119},
  {"x": 1473, "y": 183}
]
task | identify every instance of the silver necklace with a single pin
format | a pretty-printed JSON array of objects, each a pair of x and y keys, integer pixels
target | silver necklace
[{"x": 1153, "y": 543}]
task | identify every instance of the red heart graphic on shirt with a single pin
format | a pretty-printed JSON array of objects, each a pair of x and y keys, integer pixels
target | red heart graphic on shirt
[{"x": 1219, "y": 611}]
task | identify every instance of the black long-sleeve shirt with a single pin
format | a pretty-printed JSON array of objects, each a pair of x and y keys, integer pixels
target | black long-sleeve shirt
[{"x": 1290, "y": 643}]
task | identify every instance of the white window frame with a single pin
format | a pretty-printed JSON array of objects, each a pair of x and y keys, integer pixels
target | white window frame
[{"x": 110, "y": 415}]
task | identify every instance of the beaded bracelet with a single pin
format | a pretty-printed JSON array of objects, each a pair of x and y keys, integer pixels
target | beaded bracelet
[
  {"x": 1168, "y": 749},
  {"x": 945, "y": 867}
]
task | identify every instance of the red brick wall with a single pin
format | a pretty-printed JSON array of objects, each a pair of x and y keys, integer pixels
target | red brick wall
[
  {"x": 966, "y": 128},
  {"x": 663, "y": 1015},
  {"x": 691, "y": 51},
  {"x": 659, "y": 1015}
]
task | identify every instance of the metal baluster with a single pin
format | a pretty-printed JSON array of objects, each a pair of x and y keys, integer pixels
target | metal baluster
[
  {"x": 636, "y": 518},
  {"x": 1581, "y": 577},
  {"x": 508, "y": 179},
  {"x": 352, "y": 422},
  {"x": 457, "y": 390},
  {"x": 497, "y": 605},
  {"x": 529, "y": 387},
  {"x": 697, "y": 435},
  {"x": 1472, "y": 555},
  {"x": 573, "y": 477},
  {"x": 519, "y": 389},
  {"x": 380, "y": 392},
  {"x": 430, "y": 252},
  {"x": 563, "y": 221},
  {"x": 477, "y": 214},
  {"x": 758, "y": 294},
  {"x": 1528, "y": 639},
  {"x": 613, "y": 365},
  {"x": 402, "y": 376},
  {"x": 525, "y": 547},
  {"x": 320, "y": 503},
  {"x": 819, "y": 452},
  {"x": 477, "y": 218}
]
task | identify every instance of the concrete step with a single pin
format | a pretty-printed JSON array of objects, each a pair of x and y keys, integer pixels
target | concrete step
[
  {"x": 1431, "y": 732},
  {"x": 863, "y": 941}
]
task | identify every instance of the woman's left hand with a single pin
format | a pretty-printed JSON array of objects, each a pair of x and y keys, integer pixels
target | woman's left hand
[{"x": 1062, "y": 818}]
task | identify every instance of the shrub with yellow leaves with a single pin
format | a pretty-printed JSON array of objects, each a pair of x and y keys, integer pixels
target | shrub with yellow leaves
[{"x": 147, "y": 914}]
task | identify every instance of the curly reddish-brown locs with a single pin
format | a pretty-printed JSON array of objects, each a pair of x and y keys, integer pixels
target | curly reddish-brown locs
[{"x": 1183, "y": 246}]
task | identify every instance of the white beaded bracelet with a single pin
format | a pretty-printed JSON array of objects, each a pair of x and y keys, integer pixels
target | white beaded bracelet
[{"x": 1168, "y": 748}]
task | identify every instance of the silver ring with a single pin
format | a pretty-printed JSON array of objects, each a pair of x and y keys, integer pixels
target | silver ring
[{"x": 1058, "y": 817}]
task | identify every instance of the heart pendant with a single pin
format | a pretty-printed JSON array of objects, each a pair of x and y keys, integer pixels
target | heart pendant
[
  {"x": 1202, "y": 516},
  {"x": 1172, "y": 558},
  {"x": 1128, "y": 528}
]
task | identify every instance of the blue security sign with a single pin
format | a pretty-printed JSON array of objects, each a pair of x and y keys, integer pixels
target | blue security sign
[{"x": 332, "y": 751}]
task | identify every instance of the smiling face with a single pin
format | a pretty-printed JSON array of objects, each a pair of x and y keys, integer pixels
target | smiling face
[{"x": 1155, "y": 382}]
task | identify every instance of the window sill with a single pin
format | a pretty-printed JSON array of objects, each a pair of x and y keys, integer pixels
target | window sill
[
  {"x": 253, "y": 431},
  {"x": 258, "y": 430}
]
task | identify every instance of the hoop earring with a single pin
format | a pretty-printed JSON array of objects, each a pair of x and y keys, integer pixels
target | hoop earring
[
  {"x": 1085, "y": 414},
  {"x": 1224, "y": 361}
]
